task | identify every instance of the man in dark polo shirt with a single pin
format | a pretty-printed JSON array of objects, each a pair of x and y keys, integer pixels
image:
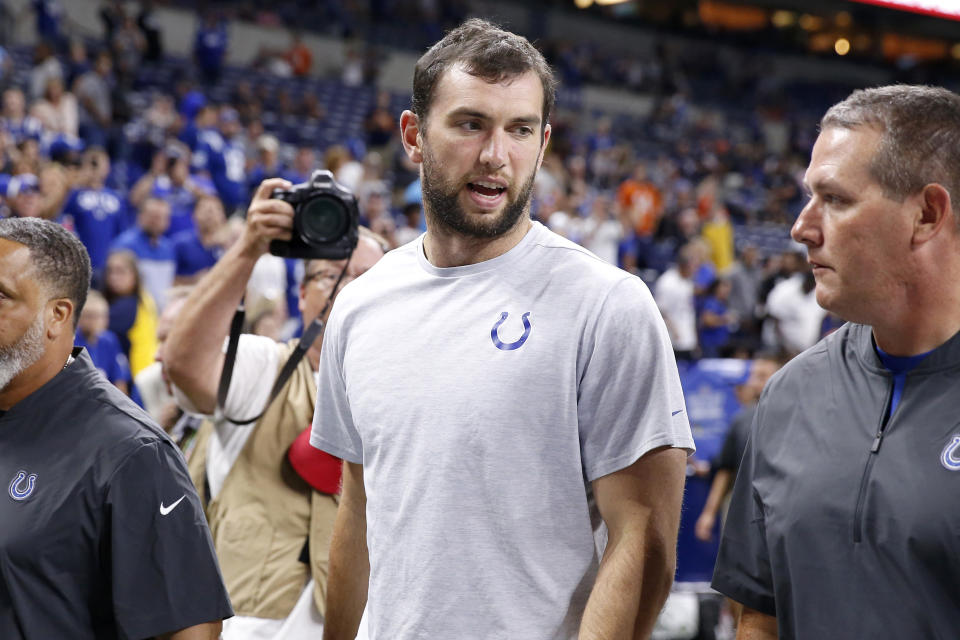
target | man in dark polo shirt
[{"x": 101, "y": 533}]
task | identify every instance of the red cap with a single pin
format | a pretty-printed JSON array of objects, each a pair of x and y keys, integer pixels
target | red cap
[{"x": 320, "y": 469}]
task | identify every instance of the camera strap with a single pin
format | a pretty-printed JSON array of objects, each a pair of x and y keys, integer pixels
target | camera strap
[
  {"x": 303, "y": 345},
  {"x": 307, "y": 339}
]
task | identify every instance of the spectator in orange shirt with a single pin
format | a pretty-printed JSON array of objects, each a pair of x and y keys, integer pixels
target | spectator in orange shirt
[
  {"x": 642, "y": 202},
  {"x": 299, "y": 56}
]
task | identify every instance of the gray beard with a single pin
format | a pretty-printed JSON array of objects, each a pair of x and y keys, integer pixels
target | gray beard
[
  {"x": 22, "y": 354},
  {"x": 441, "y": 205}
]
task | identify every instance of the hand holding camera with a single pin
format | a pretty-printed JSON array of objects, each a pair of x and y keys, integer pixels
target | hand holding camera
[
  {"x": 267, "y": 219},
  {"x": 325, "y": 220},
  {"x": 318, "y": 219}
]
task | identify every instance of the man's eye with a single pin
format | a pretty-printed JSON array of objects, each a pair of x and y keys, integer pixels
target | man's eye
[
  {"x": 470, "y": 125},
  {"x": 524, "y": 131}
]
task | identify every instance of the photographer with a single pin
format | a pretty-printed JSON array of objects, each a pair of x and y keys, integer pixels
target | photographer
[{"x": 266, "y": 521}]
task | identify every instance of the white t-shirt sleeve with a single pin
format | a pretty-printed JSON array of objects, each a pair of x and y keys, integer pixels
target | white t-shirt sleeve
[
  {"x": 629, "y": 399},
  {"x": 333, "y": 428},
  {"x": 254, "y": 371}
]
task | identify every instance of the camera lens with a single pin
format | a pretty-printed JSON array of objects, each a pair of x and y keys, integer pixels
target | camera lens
[{"x": 323, "y": 219}]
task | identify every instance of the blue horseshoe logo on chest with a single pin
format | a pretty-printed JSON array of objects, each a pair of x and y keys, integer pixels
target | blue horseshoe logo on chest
[
  {"x": 947, "y": 458},
  {"x": 510, "y": 346},
  {"x": 16, "y": 492}
]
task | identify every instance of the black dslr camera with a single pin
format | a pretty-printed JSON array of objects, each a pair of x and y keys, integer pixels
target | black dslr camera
[{"x": 325, "y": 220}]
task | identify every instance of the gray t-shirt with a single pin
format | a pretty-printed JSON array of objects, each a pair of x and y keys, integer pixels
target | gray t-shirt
[{"x": 482, "y": 401}]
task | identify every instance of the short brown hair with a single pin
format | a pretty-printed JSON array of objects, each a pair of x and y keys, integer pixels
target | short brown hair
[
  {"x": 60, "y": 261},
  {"x": 920, "y": 134},
  {"x": 485, "y": 51}
]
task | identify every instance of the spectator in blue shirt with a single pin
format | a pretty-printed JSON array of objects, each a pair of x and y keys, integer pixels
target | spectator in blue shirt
[
  {"x": 209, "y": 47},
  {"x": 49, "y": 14},
  {"x": 304, "y": 163},
  {"x": 199, "y": 248},
  {"x": 76, "y": 63},
  {"x": 154, "y": 251},
  {"x": 197, "y": 114},
  {"x": 101, "y": 343},
  {"x": 716, "y": 319},
  {"x": 15, "y": 122},
  {"x": 267, "y": 165},
  {"x": 170, "y": 179},
  {"x": 222, "y": 157},
  {"x": 96, "y": 213}
]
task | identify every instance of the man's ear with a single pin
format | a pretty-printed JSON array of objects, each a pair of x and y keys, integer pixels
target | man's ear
[
  {"x": 411, "y": 136},
  {"x": 935, "y": 210},
  {"x": 59, "y": 313},
  {"x": 547, "y": 130}
]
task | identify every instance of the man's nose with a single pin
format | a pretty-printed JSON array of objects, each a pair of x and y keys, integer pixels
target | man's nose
[
  {"x": 806, "y": 230},
  {"x": 493, "y": 154}
]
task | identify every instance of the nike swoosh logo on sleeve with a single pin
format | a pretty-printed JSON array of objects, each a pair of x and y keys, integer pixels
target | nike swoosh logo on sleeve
[{"x": 165, "y": 510}]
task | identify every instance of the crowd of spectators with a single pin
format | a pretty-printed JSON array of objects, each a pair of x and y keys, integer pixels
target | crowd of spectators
[{"x": 156, "y": 188}]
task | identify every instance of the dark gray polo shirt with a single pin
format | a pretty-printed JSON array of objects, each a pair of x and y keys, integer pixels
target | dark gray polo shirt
[
  {"x": 840, "y": 533},
  {"x": 101, "y": 532}
]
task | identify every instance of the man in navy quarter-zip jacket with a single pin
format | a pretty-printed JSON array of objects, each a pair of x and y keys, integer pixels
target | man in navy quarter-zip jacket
[
  {"x": 844, "y": 520},
  {"x": 102, "y": 535}
]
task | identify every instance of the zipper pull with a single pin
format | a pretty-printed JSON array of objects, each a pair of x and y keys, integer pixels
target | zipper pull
[{"x": 876, "y": 442}]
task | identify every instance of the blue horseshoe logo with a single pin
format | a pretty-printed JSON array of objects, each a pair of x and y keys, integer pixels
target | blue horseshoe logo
[
  {"x": 512, "y": 345},
  {"x": 947, "y": 458},
  {"x": 16, "y": 492}
]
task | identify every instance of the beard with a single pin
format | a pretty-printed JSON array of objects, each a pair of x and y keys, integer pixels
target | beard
[
  {"x": 441, "y": 204},
  {"x": 17, "y": 357}
]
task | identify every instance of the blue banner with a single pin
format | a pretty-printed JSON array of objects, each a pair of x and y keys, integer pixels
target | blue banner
[{"x": 709, "y": 391}]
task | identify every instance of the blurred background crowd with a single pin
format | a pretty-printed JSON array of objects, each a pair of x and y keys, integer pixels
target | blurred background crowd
[
  {"x": 678, "y": 149},
  {"x": 679, "y": 144}
]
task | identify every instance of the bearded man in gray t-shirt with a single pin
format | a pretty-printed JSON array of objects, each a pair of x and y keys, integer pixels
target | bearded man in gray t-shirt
[{"x": 507, "y": 404}]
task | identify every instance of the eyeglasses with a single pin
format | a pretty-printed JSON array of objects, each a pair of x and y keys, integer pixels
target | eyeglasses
[{"x": 329, "y": 277}]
